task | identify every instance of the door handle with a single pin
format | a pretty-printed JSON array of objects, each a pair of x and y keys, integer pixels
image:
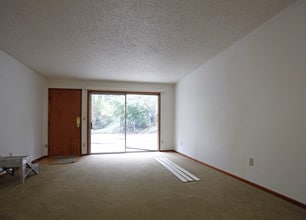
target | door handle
[{"x": 78, "y": 122}]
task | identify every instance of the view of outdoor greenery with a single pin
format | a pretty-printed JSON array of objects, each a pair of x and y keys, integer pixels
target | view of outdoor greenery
[
  {"x": 108, "y": 113},
  {"x": 141, "y": 113}
]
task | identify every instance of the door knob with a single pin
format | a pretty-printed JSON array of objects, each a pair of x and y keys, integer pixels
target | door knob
[{"x": 78, "y": 122}]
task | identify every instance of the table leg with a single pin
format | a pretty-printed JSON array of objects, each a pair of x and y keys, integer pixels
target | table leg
[{"x": 22, "y": 170}]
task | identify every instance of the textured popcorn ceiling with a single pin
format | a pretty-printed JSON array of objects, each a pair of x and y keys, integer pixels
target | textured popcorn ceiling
[{"x": 126, "y": 40}]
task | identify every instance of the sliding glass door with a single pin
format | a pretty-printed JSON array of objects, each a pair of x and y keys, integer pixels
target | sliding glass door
[
  {"x": 123, "y": 122},
  {"x": 142, "y": 122},
  {"x": 107, "y": 123}
]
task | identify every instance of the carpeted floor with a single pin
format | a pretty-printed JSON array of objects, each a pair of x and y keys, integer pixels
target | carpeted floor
[{"x": 136, "y": 186}]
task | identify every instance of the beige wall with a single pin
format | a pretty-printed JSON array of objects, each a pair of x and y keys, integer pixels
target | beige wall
[
  {"x": 167, "y": 103},
  {"x": 250, "y": 102},
  {"x": 22, "y": 113}
]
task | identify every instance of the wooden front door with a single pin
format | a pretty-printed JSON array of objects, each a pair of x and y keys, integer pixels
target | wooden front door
[{"x": 64, "y": 122}]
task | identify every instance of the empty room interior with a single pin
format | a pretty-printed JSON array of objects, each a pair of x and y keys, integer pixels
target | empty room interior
[{"x": 132, "y": 96}]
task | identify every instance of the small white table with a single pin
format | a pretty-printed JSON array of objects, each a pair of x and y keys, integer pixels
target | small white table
[{"x": 23, "y": 163}]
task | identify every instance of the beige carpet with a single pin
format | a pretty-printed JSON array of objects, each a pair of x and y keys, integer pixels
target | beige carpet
[{"x": 136, "y": 186}]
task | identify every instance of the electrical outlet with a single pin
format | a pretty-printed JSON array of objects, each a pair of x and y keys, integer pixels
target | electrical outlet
[
  {"x": 181, "y": 143},
  {"x": 251, "y": 162}
]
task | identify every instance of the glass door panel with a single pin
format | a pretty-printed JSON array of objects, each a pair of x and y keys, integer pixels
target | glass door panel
[
  {"x": 107, "y": 132},
  {"x": 141, "y": 122}
]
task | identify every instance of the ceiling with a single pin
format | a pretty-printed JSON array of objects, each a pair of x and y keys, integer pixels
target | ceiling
[{"x": 131, "y": 40}]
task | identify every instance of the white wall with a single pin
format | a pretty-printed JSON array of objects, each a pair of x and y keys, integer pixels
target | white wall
[
  {"x": 21, "y": 109},
  {"x": 167, "y": 103},
  {"x": 250, "y": 101}
]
